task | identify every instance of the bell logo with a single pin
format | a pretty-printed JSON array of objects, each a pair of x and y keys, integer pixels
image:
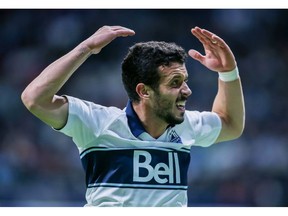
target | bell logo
[{"x": 162, "y": 173}]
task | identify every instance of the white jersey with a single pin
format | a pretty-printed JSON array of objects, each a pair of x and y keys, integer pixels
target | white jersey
[{"x": 124, "y": 165}]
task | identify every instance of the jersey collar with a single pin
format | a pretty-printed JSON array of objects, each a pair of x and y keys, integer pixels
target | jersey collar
[{"x": 134, "y": 122}]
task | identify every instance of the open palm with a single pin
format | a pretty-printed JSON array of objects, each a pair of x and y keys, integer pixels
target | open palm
[
  {"x": 105, "y": 35},
  {"x": 218, "y": 56}
]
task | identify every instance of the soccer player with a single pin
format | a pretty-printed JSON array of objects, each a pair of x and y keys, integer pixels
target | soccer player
[{"x": 139, "y": 155}]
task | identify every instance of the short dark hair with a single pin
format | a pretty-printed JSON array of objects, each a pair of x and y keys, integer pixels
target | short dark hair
[{"x": 142, "y": 61}]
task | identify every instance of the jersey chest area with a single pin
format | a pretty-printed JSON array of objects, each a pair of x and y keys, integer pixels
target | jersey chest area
[{"x": 137, "y": 164}]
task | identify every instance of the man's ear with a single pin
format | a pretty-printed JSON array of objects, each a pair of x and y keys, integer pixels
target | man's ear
[{"x": 143, "y": 90}]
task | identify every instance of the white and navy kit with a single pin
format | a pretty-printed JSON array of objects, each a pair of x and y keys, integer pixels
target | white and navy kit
[{"x": 124, "y": 165}]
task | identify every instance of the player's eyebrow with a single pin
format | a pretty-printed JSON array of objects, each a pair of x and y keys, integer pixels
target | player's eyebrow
[{"x": 175, "y": 75}]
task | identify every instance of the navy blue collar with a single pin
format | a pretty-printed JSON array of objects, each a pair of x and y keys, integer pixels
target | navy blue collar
[{"x": 134, "y": 122}]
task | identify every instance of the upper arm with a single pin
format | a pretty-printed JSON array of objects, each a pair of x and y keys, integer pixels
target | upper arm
[
  {"x": 54, "y": 113},
  {"x": 224, "y": 131},
  {"x": 228, "y": 131}
]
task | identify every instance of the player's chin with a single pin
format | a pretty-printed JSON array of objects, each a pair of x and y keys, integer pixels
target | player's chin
[{"x": 179, "y": 118}]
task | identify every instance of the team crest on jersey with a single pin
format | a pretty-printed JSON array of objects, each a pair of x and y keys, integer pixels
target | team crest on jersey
[{"x": 174, "y": 137}]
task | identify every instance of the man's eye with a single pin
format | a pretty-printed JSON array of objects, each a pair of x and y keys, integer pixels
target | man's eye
[{"x": 175, "y": 83}]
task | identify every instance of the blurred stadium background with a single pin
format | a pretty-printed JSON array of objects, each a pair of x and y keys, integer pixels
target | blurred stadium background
[{"x": 40, "y": 167}]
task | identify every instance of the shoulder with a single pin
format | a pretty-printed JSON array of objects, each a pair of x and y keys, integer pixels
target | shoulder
[
  {"x": 89, "y": 118},
  {"x": 89, "y": 113},
  {"x": 196, "y": 123},
  {"x": 197, "y": 117},
  {"x": 77, "y": 104},
  {"x": 201, "y": 128}
]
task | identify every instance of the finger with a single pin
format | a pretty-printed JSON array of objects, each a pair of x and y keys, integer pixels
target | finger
[
  {"x": 206, "y": 36},
  {"x": 218, "y": 41},
  {"x": 122, "y": 31},
  {"x": 120, "y": 28},
  {"x": 125, "y": 33},
  {"x": 116, "y": 27},
  {"x": 117, "y": 30},
  {"x": 215, "y": 40},
  {"x": 198, "y": 34},
  {"x": 206, "y": 42},
  {"x": 196, "y": 55}
]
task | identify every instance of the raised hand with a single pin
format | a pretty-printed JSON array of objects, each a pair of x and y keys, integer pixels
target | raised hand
[
  {"x": 218, "y": 56},
  {"x": 104, "y": 36}
]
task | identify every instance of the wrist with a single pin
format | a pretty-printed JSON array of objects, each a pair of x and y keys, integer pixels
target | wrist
[
  {"x": 229, "y": 75},
  {"x": 84, "y": 48}
]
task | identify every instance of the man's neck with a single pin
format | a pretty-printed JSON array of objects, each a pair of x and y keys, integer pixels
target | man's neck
[{"x": 152, "y": 124}]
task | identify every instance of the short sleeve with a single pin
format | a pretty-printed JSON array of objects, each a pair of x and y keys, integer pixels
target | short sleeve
[
  {"x": 203, "y": 127},
  {"x": 85, "y": 121}
]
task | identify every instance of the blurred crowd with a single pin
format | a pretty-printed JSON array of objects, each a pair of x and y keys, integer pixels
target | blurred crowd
[{"x": 41, "y": 167}]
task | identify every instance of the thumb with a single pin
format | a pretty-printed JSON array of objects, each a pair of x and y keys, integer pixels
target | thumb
[{"x": 196, "y": 55}]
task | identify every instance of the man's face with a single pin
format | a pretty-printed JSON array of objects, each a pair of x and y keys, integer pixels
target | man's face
[{"x": 168, "y": 102}]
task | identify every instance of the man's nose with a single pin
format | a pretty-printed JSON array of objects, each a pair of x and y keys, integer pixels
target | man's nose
[{"x": 186, "y": 90}]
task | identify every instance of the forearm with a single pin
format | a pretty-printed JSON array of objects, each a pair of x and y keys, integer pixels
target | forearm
[
  {"x": 43, "y": 88},
  {"x": 40, "y": 95},
  {"x": 229, "y": 104}
]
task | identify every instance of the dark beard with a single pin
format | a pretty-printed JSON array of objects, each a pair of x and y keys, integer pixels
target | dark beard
[
  {"x": 161, "y": 111},
  {"x": 172, "y": 120}
]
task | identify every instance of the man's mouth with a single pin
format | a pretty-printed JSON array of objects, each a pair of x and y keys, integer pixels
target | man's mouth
[{"x": 181, "y": 105}]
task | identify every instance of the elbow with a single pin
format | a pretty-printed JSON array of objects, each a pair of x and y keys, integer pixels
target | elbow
[
  {"x": 28, "y": 100},
  {"x": 238, "y": 133},
  {"x": 238, "y": 130},
  {"x": 232, "y": 130},
  {"x": 241, "y": 126}
]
